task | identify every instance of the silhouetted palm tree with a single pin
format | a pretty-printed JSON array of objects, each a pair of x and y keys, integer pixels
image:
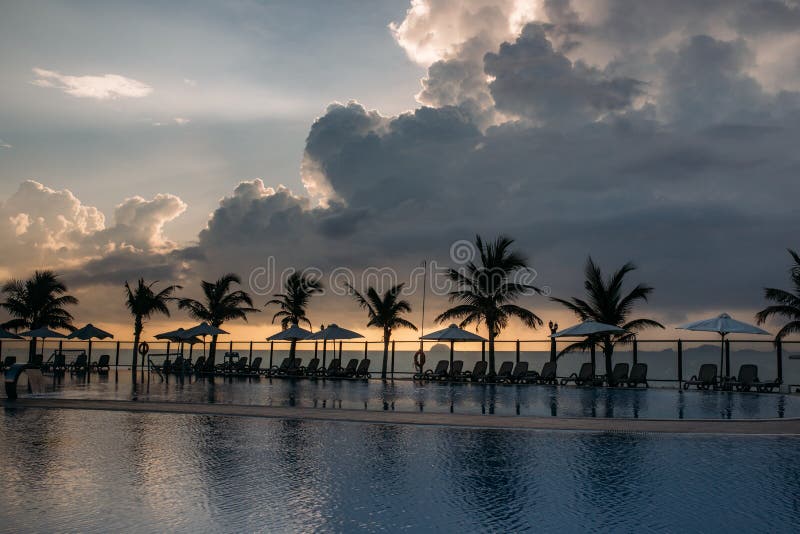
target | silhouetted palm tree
[
  {"x": 787, "y": 303},
  {"x": 297, "y": 291},
  {"x": 605, "y": 303},
  {"x": 37, "y": 302},
  {"x": 384, "y": 312},
  {"x": 143, "y": 302},
  {"x": 219, "y": 304},
  {"x": 486, "y": 292}
]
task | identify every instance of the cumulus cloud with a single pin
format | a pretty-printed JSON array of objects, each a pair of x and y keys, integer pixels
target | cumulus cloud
[
  {"x": 653, "y": 131},
  {"x": 99, "y": 87}
]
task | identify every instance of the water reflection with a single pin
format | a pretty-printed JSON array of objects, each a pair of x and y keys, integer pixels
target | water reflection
[{"x": 463, "y": 398}]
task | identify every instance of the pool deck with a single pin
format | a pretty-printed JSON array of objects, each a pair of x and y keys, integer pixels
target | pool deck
[{"x": 784, "y": 427}]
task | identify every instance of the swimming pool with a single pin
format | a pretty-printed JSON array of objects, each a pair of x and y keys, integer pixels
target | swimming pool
[
  {"x": 407, "y": 396},
  {"x": 115, "y": 471}
]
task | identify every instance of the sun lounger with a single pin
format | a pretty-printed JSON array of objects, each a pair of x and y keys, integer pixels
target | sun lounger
[
  {"x": 704, "y": 379},
  {"x": 638, "y": 375},
  {"x": 518, "y": 375},
  {"x": 478, "y": 373},
  {"x": 440, "y": 372},
  {"x": 349, "y": 370},
  {"x": 79, "y": 364},
  {"x": 333, "y": 368},
  {"x": 363, "y": 369},
  {"x": 503, "y": 374},
  {"x": 747, "y": 378},
  {"x": 457, "y": 370},
  {"x": 310, "y": 369},
  {"x": 101, "y": 366},
  {"x": 294, "y": 367},
  {"x": 585, "y": 377},
  {"x": 547, "y": 376},
  {"x": 199, "y": 365},
  {"x": 8, "y": 361},
  {"x": 281, "y": 369},
  {"x": 619, "y": 375},
  {"x": 767, "y": 387},
  {"x": 254, "y": 368}
]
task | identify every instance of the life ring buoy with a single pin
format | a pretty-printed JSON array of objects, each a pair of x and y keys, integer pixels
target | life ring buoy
[
  {"x": 144, "y": 348},
  {"x": 419, "y": 360}
]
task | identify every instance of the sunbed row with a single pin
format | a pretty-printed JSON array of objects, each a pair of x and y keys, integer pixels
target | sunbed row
[
  {"x": 509, "y": 373},
  {"x": 746, "y": 380},
  {"x": 289, "y": 368}
]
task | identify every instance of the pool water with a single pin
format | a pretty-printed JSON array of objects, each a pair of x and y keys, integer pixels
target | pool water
[
  {"x": 65, "y": 470},
  {"x": 465, "y": 398}
]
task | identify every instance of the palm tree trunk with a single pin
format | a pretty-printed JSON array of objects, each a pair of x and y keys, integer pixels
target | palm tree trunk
[
  {"x": 292, "y": 349},
  {"x": 137, "y": 332},
  {"x": 212, "y": 351},
  {"x": 491, "y": 353},
  {"x": 608, "y": 352},
  {"x": 32, "y": 350},
  {"x": 386, "y": 337}
]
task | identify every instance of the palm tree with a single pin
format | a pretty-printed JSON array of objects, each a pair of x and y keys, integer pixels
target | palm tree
[
  {"x": 143, "y": 302},
  {"x": 297, "y": 291},
  {"x": 37, "y": 302},
  {"x": 787, "y": 303},
  {"x": 219, "y": 304},
  {"x": 487, "y": 292},
  {"x": 606, "y": 304},
  {"x": 384, "y": 312}
]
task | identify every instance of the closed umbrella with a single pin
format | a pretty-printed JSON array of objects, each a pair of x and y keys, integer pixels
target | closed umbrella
[
  {"x": 332, "y": 332},
  {"x": 452, "y": 334},
  {"x": 87, "y": 333},
  {"x": 723, "y": 324},
  {"x": 588, "y": 329}
]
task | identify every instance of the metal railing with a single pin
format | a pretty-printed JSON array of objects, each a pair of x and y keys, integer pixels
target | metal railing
[{"x": 669, "y": 360}]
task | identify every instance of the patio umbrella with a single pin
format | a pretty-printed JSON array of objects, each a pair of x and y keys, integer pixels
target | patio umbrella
[
  {"x": 332, "y": 332},
  {"x": 179, "y": 336},
  {"x": 204, "y": 329},
  {"x": 5, "y": 334},
  {"x": 293, "y": 333},
  {"x": 87, "y": 333},
  {"x": 40, "y": 333},
  {"x": 452, "y": 334},
  {"x": 588, "y": 329},
  {"x": 723, "y": 324}
]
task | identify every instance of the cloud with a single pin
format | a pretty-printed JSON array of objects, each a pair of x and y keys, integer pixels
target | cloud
[
  {"x": 650, "y": 131},
  {"x": 102, "y": 87},
  {"x": 3, "y": 144}
]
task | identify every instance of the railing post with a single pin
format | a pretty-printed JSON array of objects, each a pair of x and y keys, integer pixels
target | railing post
[
  {"x": 271, "y": 350},
  {"x": 168, "y": 345},
  {"x": 250, "y": 355},
  {"x": 230, "y": 346},
  {"x": 340, "y": 349},
  {"x": 483, "y": 351},
  {"x": 365, "y": 349},
  {"x": 779, "y": 362},
  {"x": 680, "y": 363},
  {"x": 517, "y": 351},
  {"x": 393, "y": 359},
  {"x": 635, "y": 351},
  {"x": 116, "y": 358}
]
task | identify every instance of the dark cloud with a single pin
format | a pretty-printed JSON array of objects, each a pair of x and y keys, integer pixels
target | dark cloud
[{"x": 533, "y": 80}]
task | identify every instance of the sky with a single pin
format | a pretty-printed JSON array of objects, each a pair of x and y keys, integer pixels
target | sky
[{"x": 185, "y": 140}]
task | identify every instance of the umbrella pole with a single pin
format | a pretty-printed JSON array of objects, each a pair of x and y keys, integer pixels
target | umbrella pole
[
  {"x": 324, "y": 351},
  {"x": 721, "y": 355},
  {"x": 594, "y": 366},
  {"x": 452, "y": 343}
]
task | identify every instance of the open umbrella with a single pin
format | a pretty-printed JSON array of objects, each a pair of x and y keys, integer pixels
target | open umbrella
[
  {"x": 723, "y": 324},
  {"x": 204, "y": 329},
  {"x": 40, "y": 333},
  {"x": 588, "y": 329},
  {"x": 5, "y": 334},
  {"x": 293, "y": 333},
  {"x": 87, "y": 333},
  {"x": 332, "y": 332},
  {"x": 452, "y": 334}
]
